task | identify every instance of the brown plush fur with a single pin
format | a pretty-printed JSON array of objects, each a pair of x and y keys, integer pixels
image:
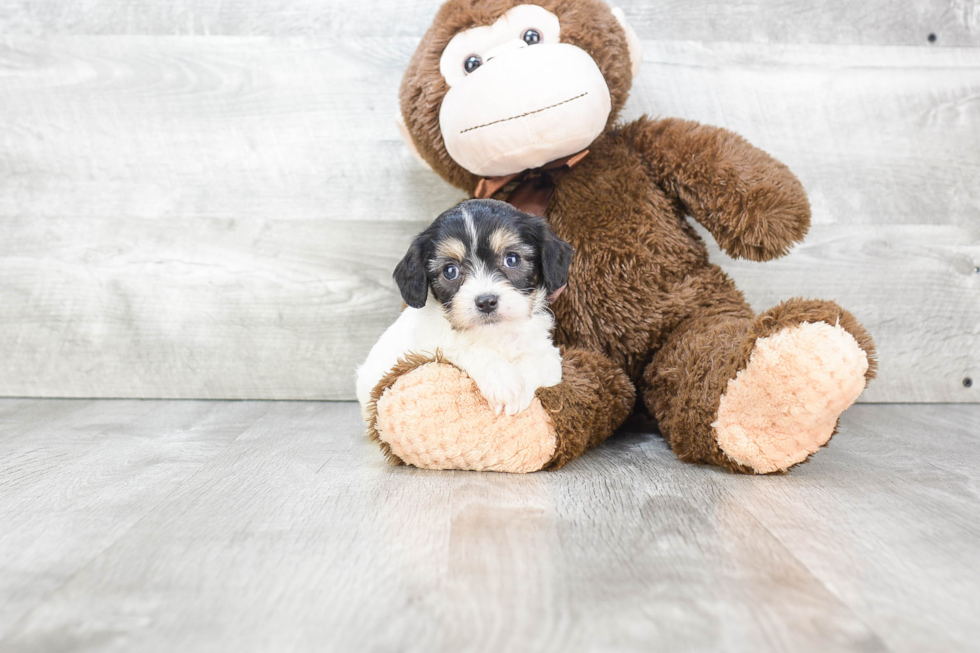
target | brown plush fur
[
  {"x": 690, "y": 372},
  {"x": 592, "y": 400},
  {"x": 642, "y": 296}
]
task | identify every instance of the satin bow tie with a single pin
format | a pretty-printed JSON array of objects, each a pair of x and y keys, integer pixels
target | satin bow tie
[{"x": 535, "y": 186}]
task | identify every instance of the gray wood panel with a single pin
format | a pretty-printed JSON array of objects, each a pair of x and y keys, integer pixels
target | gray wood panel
[
  {"x": 299, "y": 128},
  {"x": 193, "y": 308},
  {"x": 877, "y": 135},
  {"x": 187, "y": 217},
  {"x": 875, "y": 22},
  {"x": 198, "y": 526},
  {"x": 151, "y": 127},
  {"x": 286, "y": 309}
]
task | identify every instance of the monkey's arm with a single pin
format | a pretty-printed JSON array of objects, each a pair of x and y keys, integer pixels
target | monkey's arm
[{"x": 751, "y": 203}]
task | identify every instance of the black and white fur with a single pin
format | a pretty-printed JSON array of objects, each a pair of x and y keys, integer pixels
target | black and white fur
[{"x": 477, "y": 283}]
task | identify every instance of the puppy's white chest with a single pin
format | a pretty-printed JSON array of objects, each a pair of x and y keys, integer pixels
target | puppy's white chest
[{"x": 508, "y": 365}]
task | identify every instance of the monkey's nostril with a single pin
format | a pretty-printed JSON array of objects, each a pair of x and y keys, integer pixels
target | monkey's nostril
[{"x": 486, "y": 303}]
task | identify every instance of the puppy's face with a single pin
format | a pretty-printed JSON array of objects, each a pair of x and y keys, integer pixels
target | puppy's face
[{"x": 485, "y": 262}]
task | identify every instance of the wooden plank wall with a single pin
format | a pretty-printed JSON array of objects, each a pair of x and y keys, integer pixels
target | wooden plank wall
[{"x": 205, "y": 199}]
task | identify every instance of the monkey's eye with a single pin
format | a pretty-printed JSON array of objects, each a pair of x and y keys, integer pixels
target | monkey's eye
[
  {"x": 531, "y": 37},
  {"x": 450, "y": 272},
  {"x": 512, "y": 260},
  {"x": 472, "y": 63}
]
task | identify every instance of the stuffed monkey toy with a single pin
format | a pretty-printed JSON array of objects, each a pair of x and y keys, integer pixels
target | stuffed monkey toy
[{"x": 519, "y": 102}]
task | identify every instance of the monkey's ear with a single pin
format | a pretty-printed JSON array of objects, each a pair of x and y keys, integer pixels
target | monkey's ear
[
  {"x": 403, "y": 130},
  {"x": 632, "y": 40},
  {"x": 556, "y": 258},
  {"x": 410, "y": 277}
]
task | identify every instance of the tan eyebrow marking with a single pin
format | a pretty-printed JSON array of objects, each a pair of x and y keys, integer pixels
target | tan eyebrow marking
[
  {"x": 451, "y": 248},
  {"x": 503, "y": 238}
]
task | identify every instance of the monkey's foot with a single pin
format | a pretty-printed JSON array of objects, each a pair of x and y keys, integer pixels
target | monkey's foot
[
  {"x": 429, "y": 413},
  {"x": 785, "y": 402},
  {"x": 434, "y": 417}
]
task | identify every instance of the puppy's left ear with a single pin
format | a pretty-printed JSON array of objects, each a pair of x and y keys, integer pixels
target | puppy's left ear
[
  {"x": 410, "y": 277},
  {"x": 556, "y": 258}
]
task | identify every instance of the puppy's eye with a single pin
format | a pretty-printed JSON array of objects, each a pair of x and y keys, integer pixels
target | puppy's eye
[
  {"x": 512, "y": 260},
  {"x": 531, "y": 36},
  {"x": 450, "y": 272},
  {"x": 472, "y": 63}
]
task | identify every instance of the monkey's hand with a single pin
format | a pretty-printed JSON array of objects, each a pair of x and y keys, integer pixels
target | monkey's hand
[{"x": 750, "y": 202}]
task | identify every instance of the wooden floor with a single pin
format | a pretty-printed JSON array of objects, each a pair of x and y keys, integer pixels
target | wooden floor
[{"x": 263, "y": 526}]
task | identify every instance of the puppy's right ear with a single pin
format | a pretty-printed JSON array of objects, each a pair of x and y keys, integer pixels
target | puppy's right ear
[{"x": 410, "y": 277}]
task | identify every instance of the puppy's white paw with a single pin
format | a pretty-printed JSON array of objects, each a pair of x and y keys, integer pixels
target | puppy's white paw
[
  {"x": 503, "y": 387},
  {"x": 526, "y": 398}
]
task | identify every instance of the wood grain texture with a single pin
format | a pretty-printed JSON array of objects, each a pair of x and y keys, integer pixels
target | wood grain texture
[
  {"x": 298, "y": 128},
  {"x": 76, "y": 475},
  {"x": 197, "y": 308},
  {"x": 150, "y": 127},
  {"x": 877, "y": 135},
  {"x": 869, "y": 533},
  {"x": 876, "y": 22},
  {"x": 915, "y": 288},
  {"x": 286, "y": 309},
  {"x": 198, "y": 526},
  {"x": 187, "y": 217}
]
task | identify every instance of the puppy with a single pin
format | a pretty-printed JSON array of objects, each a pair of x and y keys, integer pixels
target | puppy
[{"x": 477, "y": 283}]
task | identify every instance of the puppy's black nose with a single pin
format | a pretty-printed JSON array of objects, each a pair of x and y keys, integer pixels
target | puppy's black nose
[{"x": 486, "y": 303}]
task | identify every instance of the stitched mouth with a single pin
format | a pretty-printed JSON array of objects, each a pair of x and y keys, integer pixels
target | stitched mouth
[{"x": 496, "y": 122}]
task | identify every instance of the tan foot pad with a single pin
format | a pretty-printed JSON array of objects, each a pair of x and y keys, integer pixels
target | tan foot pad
[
  {"x": 435, "y": 417},
  {"x": 784, "y": 405}
]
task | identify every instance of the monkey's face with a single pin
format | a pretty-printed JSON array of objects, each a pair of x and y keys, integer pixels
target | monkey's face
[
  {"x": 518, "y": 97},
  {"x": 498, "y": 86}
]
